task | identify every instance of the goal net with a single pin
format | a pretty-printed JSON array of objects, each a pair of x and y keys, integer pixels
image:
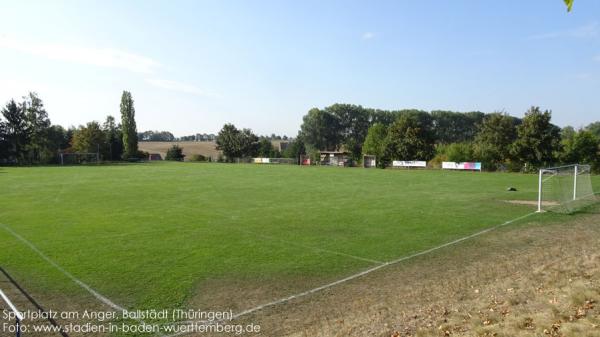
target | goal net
[
  {"x": 76, "y": 158},
  {"x": 565, "y": 189}
]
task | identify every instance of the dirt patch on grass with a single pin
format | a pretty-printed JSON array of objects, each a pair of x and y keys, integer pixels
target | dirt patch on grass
[
  {"x": 532, "y": 202},
  {"x": 534, "y": 280}
]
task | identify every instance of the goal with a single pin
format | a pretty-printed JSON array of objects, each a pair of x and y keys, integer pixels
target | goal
[
  {"x": 75, "y": 158},
  {"x": 565, "y": 189}
]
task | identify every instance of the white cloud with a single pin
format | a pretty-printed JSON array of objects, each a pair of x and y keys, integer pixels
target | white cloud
[
  {"x": 103, "y": 57},
  {"x": 368, "y": 35},
  {"x": 586, "y": 31},
  {"x": 180, "y": 87}
]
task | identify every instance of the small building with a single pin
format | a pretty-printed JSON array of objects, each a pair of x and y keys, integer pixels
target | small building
[
  {"x": 335, "y": 158},
  {"x": 154, "y": 156}
]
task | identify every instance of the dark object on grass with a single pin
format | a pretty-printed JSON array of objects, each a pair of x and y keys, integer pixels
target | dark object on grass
[{"x": 511, "y": 189}]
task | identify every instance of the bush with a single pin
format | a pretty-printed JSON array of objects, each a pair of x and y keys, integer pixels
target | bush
[
  {"x": 198, "y": 157},
  {"x": 175, "y": 153}
]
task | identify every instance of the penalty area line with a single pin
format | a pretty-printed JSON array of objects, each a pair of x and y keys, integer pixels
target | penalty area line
[{"x": 357, "y": 275}]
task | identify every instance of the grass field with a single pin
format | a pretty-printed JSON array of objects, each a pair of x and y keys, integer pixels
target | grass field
[{"x": 167, "y": 235}]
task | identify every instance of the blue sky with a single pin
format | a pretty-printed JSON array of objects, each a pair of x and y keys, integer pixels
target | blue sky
[{"x": 194, "y": 65}]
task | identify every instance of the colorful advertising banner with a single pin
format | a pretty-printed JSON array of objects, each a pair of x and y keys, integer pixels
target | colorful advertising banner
[
  {"x": 410, "y": 163},
  {"x": 450, "y": 165}
]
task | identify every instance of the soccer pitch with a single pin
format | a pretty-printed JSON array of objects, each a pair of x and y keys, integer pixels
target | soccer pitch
[{"x": 226, "y": 236}]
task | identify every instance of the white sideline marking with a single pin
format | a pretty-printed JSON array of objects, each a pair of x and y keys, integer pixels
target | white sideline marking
[
  {"x": 270, "y": 238},
  {"x": 89, "y": 289},
  {"x": 11, "y": 306},
  {"x": 357, "y": 275},
  {"x": 96, "y": 294}
]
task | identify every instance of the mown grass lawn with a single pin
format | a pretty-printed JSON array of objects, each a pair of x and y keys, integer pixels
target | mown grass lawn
[{"x": 153, "y": 235}]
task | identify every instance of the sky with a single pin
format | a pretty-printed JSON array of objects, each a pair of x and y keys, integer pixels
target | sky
[{"x": 192, "y": 66}]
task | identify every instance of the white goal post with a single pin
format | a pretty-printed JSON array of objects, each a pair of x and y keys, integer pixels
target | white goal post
[
  {"x": 564, "y": 188},
  {"x": 17, "y": 314}
]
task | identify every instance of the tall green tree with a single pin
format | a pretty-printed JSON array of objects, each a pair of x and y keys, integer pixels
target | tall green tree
[
  {"x": 410, "y": 138},
  {"x": 494, "y": 138},
  {"x": 538, "y": 140},
  {"x": 228, "y": 141},
  {"x": 321, "y": 130},
  {"x": 113, "y": 141},
  {"x": 15, "y": 129},
  {"x": 38, "y": 124},
  {"x": 128, "y": 125},
  {"x": 352, "y": 126},
  {"x": 375, "y": 143}
]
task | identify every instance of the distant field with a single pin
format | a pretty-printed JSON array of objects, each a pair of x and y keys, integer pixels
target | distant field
[
  {"x": 166, "y": 235},
  {"x": 207, "y": 149}
]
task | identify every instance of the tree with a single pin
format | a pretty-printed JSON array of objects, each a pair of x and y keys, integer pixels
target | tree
[
  {"x": 569, "y": 4},
  {"x": 15, "y": 130},
  {"x": 594, "y": 128},
  {"x": 321, "y": 130},
  {"x": 494, "y": 138},
  {"x": 375, "y": 143},
  {"x": 410, "y": 138},
  {"x": 460, "y": 152},
  {"x": 295, "y": 149},
  {"x": 128, "y": 125},
  {"x": 113, "y": 139},
  {"x": 579, "y": 147},
  {"x": 228, "y": 141},
  {"x": 175, "y": 153},
  {"x": 453, "y": 127},
  {"x": 352, "y": 126},
  {"x": 38, "y": 124},
  {"x": 248, "y": 143},
  {"x": 4, "y": 149},
  {"x": 88, "y": 138},
  {"x": 537, "y": 139},
  {"x": 266, "y": 149}
]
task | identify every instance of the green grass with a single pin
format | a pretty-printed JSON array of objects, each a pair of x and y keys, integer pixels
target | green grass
[{"x": 155, "y": 235}]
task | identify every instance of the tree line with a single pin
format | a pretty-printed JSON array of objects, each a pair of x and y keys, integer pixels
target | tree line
[
  {"x": 497, "y": 140},
  {"x": 28, "y": 137}
]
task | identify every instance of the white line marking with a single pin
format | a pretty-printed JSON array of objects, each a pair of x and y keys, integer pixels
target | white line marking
[
  {"x": 270, "y": 238},
  {"x": 96, "y": 294},
  {"x": 89, "y": 289},
  {"x": 357, "y": 275},
  {"x": 11, "y": 306}
]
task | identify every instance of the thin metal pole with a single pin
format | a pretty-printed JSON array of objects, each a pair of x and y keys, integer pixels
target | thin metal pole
[
  {"x": 540, "y": 191},
  {"x": 18, "y": 328},
  {"x": 575, "y": 182}
]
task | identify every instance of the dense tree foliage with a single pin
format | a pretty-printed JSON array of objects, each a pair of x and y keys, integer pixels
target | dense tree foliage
[
  {"x": 496, "y": 134},
  {"x": 537, "y": 139},
  {"x": 375, "y": 142},
  {"x": 89, "y": 138},
  {"x": 266, "y": 149},
  {"x": 454, "y": 127},
  {"x": 410, "y": 138},
  {"x": 113, "y": 139},
  {"x": 128, "y": 125},
  {"x": 237, "y": 143}
]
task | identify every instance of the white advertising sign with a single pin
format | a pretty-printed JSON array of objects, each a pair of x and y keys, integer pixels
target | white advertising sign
[{"x": 410, "y": 163}]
